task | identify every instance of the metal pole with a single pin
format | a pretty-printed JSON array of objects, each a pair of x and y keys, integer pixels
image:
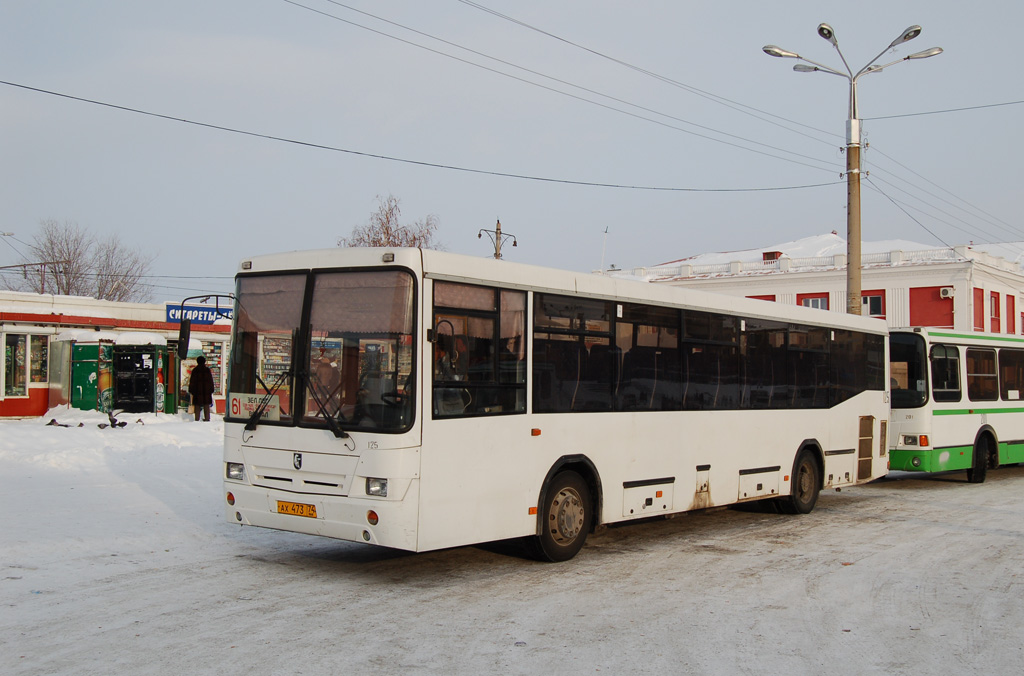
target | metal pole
[
  {"x": 497, "y": 241},
  {"x": 853, "y": 255}
]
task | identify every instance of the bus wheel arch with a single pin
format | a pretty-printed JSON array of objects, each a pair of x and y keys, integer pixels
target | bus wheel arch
[
  {"x": 985, "y": 455},
  {"x": 807, "y": 480},
  {"x": 568, "y": 509}
]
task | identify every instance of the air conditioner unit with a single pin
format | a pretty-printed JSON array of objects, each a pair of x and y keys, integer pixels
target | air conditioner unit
[{"x": 946, "y": 292}]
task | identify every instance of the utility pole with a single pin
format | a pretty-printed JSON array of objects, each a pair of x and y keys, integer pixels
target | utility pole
[
  {"x": 42, "y": 270},
  {"x": 497, "y": 238}
]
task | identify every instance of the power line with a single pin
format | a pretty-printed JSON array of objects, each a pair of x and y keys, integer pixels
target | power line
[
  {"x": 434, "y": 165},
  {"x": 735, "y": 105},
  {"x": 947, "y": 110},
  {"x": 718, "y": 99},
  {"x": 558, "y": 91},
  {"x": 553, "y": 79},
  {"x": 984, "y": 215}
]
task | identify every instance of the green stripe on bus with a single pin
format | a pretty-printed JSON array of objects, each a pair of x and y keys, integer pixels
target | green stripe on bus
[
  {"x": 1010, "y": 453},
  {"x": 975, "y": 336},
  {"x": 977, "y": 411}
]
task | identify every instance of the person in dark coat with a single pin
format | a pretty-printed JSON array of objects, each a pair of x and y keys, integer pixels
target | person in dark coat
[{"x": 200, "y": 386}]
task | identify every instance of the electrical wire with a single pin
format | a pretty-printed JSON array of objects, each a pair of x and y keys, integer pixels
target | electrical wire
[
  {"x": 434, "y": 165},
  {"x": 476, "y": 5},
  {"x": 907, "y": 213},
  {"x": 735, "y": 105},
  {"x": 947, "y": 110},
  {"x": 564, "y": 93}
]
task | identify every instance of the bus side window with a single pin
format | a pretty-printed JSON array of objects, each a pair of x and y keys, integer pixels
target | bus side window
[
  {"x": 1011, "y": 374},
  {"x": 946, "y": 373}
]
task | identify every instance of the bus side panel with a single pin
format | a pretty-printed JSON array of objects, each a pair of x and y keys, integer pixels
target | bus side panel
[
  {"x": 477, "y": 480},
  {"x": 482, "y": 476}
]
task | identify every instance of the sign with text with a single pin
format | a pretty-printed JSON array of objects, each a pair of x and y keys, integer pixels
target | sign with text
[
  {"x": 197, "y": 314},
  {"x": 244, "y": 405}
]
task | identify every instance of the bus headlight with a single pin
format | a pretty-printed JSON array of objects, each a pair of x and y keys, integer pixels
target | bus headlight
[
  {"x": 909, "y": 440},
  {"x": 235, "y": 471},
  {"x": 916, "y": 462},
  {"x": 377, "y": 487}
]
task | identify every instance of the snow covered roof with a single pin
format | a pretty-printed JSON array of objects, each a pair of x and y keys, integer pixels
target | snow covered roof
[
  {"x": 823, "y": 252},
  {"x": 829, "y": 244}
]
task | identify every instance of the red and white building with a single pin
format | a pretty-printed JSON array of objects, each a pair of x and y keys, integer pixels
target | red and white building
[
  {"x": 30, "y": 321},
  {"x": 963, "y": 288}
]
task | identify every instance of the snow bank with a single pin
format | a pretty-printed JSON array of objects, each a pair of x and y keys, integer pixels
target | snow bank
[{"x": 74, "y": 440}]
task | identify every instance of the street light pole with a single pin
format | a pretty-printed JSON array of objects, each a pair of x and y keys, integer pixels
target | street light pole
[
  {"x": 853, "y": 143},
  {"x": 497, "y": 238}
]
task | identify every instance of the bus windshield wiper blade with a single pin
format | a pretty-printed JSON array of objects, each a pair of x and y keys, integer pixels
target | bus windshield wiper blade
[
  {"x": 262, "y": 406},
  {"x": 331, "y": 422}
]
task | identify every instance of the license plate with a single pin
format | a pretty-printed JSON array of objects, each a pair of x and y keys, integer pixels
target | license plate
[{"x": 296, "y": 509}]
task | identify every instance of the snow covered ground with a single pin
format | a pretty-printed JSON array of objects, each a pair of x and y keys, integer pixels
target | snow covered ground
[{"x": 116, "y": 558}]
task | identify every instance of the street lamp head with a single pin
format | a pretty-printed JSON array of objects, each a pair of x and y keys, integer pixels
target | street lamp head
[
  {"x": 804, "y": 68},
  {"x": 907, "y": 35},
  {"x": 825, "y": 31},
  {"x": 772, "y": 50},
  {"x": 926, "y": 53}
]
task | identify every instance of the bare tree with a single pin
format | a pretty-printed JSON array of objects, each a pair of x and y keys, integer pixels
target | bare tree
[
  {"x": 68, "y": 260},
  {"x": 119, "y": 272},
  {"x": 384, "y": 229}
]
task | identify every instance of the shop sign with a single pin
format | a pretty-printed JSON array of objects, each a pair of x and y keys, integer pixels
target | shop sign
[{"x": 197, "y": 314}]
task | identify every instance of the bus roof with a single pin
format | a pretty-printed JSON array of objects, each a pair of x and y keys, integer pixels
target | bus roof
[{"x": 488, "y": 271}]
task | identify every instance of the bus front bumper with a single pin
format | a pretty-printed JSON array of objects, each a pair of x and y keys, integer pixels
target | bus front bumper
[
  {"x": 342, "y": 518},
  {"x": 930, "y": 459}
]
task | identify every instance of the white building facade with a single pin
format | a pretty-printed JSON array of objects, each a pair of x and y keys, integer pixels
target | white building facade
[{"x": 959, "y": 288}]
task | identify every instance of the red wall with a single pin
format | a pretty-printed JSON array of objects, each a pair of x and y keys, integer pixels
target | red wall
[
  {"x": 33, "y": 406},
  {"x": 928, "y": 308}
]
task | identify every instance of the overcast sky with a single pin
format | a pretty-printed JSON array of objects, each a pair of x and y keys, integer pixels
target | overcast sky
[{"x": 729, "y": 135}]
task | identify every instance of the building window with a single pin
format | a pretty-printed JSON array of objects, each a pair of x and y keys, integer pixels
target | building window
[
  {"x": 1011, "y": 313},
  {"x": 996, "y": 324},
  {"x": 39, "y": 355},
  {"x": 873, "y": 304},
  {"x": 979, "y": 309},
  {"x": 15, "y": 373},
  {"x": 818, "y": 301}
]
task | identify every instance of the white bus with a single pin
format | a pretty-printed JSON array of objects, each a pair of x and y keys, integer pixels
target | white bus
[
  {"x": 956, "y": 401},
  {"x": 422, "y": 400}
]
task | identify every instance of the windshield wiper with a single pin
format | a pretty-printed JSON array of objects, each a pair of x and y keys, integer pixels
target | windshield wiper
[
  {"x": 322, "y": 406},
  {"x": 265, "y": 400}
]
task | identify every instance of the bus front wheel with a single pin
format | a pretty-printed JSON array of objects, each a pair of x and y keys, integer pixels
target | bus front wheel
[
  {"x": 976, "y": 474},
  {"x": 565, "y": 518},
  {"x": 805, "y": 488}
]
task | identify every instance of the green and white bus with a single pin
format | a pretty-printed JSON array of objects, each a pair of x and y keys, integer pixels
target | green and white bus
[{"x": 956, "y": 401}]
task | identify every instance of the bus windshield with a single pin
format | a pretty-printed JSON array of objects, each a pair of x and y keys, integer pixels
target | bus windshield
[
  {"x": 908, "y": 370},
  {"x": 344, "y": 362}
]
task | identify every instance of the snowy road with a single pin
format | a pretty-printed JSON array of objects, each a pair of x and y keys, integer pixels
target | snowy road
[{"x": 116, "y": 559}]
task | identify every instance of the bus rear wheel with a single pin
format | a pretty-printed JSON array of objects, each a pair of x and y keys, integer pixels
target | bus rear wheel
[
  {"x": 805, "y": 488},
  {"x": 976, "y": 473},
  {"x": 565, "y": 518}
]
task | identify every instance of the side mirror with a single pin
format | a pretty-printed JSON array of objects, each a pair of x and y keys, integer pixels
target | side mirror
[{"x": 184, "y": 334}]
